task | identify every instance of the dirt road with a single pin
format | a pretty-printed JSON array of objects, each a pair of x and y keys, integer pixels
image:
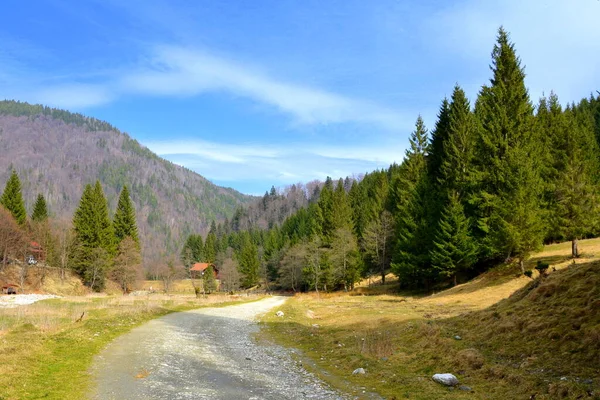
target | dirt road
[{"x": 203, "y": 354}]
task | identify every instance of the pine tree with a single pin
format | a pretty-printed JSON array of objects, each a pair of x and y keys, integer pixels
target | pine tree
[
  {"x": 94, "y": 236},
  {"x": 509, "y": 217},
  {"x": 40, "y": 210},
  {"x": 209, "y": 283},
  {"x": 210, "y": 248},
  {"x": 326, "y": 206},
  {"x": 124, "y": 221},
  {"x": 576, "y": 190},
  {"x": 12, "y": 199},
  {"x": 454, "y": 250},
  {"x": 411, "y": 254},
  {"x": 456, "y": 170},
  {"x": 249, "y": 264},
  {"x": 438, "y": 139},
  {"x": 342, "y": 210}
]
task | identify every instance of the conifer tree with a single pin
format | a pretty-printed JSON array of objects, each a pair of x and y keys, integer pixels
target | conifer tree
[
  {"x": 454, "y": 250},
  {"x": 509, "y": 218},
  {"x": 94, "y": 236},
  {"x": 411, "y": 254},
  {"x": 326, "y": 206},
  {"x": 576, "y": 191},
  {"x": 249, "y": 264},
  {"x": 40, "y": 210},
  {"x": 124, "y": 221},
  {"x": 342, "y": 210},
  {"x": 210, "y": 248},
  {"x": 12, "y": 199},
  {"x": 438, "y": 139},
  {"x": 209, "y": 283}
]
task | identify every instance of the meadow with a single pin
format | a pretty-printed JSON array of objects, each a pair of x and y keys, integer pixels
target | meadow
[{"x": 502, "y": 334}]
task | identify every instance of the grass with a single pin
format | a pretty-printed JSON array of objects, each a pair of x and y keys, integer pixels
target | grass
[
  {"x": 520, "y": 337},
  {"x": 47, "y": 354}
]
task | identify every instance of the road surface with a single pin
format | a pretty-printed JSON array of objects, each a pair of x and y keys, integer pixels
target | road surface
[{"x": 203, "y": 354}]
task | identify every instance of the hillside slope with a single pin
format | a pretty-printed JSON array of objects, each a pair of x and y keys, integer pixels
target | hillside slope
[
  {"x": 503, "y": 335},
  {"x": 57, "y": 153}
]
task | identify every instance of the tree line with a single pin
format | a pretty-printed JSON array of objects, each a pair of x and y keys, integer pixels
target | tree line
[
  {"x": 95, "y": 246},
  {"x": 490, "y": 183}
]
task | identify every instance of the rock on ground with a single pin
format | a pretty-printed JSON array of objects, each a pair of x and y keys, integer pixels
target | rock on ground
[{"x": 446, "y": 379}]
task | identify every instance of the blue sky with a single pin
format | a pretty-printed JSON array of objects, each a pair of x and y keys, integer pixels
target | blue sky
[{"x": 258, "y": 93}]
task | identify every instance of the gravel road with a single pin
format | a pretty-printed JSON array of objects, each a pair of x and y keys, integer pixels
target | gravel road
[{"x": 203, "y": 354}]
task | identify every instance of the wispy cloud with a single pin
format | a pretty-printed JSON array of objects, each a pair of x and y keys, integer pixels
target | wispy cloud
[
  {"x": 177, "y": 71},
  {"x": 277, "y": 164}
]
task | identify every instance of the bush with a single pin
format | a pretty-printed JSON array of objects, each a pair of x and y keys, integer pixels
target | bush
[
  {"x": 542, "y": 267},
  {"x": 528, "y": 273}
]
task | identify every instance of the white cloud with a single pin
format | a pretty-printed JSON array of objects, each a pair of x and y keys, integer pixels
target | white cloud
[
  {"x": 179, "y": 71},
  {"x": 280, "y": 165}
]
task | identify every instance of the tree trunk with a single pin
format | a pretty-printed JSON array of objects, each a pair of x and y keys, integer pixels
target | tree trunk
[
  {"x": 522, "y": 265},
  {"x": 454, "y": 277},
  {"x": 574, "y": 249}
]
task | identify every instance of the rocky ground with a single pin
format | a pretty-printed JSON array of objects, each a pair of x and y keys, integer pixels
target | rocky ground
[{"x": 204, "y": 354}]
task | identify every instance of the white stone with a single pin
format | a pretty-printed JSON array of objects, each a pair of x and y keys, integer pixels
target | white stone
[
  {"x": 279, "y": 313},
  {"x": 359, "y": 371},
  {"x": 446, "y": 379}
]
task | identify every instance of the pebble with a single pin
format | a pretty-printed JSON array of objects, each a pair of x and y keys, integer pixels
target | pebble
[
  {"x": 457, "y": 337},
  {"x": 279, "y": 313},
  {"x": 359, "y": 371},
  {"x": 465, "y": 388}
]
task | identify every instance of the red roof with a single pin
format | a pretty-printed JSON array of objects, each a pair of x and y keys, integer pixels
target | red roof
[{"x": 200, "y": 267}]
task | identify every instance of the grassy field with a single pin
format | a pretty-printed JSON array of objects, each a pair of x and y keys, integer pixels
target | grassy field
[
  {"x": 46, "y": 352},
  {"x": 520, "y": 338}
]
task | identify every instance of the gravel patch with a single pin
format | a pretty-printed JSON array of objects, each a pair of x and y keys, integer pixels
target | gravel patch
[
  {"x": 204, "y": 354},
  {"x": 14, "y": 300}
]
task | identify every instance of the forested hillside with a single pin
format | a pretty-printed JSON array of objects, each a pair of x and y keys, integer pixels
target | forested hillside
[
  {"x": 57, "y": 153},
  {"x": 491, "y": 182}
]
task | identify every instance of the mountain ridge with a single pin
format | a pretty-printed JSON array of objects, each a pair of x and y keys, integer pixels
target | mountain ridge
[{"x": 56, "y": 153}]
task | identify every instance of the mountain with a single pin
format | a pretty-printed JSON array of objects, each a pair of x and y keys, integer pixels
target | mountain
[{"x": 57, "y": 153}]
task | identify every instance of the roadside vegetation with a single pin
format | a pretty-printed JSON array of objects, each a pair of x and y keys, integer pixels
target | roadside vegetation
[
  {"x": 47, "y": 347},
  {"x": 502, "y": 334}
]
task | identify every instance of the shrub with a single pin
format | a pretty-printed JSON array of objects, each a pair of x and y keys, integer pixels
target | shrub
[
  {"x": 528, "y": 273},
  {"x": 542, "y": 267}
]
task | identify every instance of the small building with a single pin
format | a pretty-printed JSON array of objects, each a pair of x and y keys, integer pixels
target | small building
[
  {"x": 197, "y": 270},
  {"x": 9, "y": 289}
]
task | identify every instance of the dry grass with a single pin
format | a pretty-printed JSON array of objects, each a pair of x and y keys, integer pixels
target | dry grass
[
  {"x": 46, "y": 352},
  {"x": 519, "y": 336}
]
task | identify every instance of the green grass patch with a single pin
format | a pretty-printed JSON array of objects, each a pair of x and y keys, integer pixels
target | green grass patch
[{"x": 46, "y": 354}]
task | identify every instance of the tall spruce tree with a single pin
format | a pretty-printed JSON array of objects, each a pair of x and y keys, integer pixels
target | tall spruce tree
[
  {"x": 411, "y": 254},
  {"x": 40, "y": 209},
  {"x": 124, "y": 221},
  {"x": 12, "y": 198},
  {"x": 453, "y": 249},
  {"x": 509, "y": 220},
  {"x": 249, "y": 264},
  {"x": 94, "y": 236}
]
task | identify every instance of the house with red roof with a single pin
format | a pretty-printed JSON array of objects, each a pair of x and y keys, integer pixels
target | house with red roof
[{"x": 197, "y": 270}]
